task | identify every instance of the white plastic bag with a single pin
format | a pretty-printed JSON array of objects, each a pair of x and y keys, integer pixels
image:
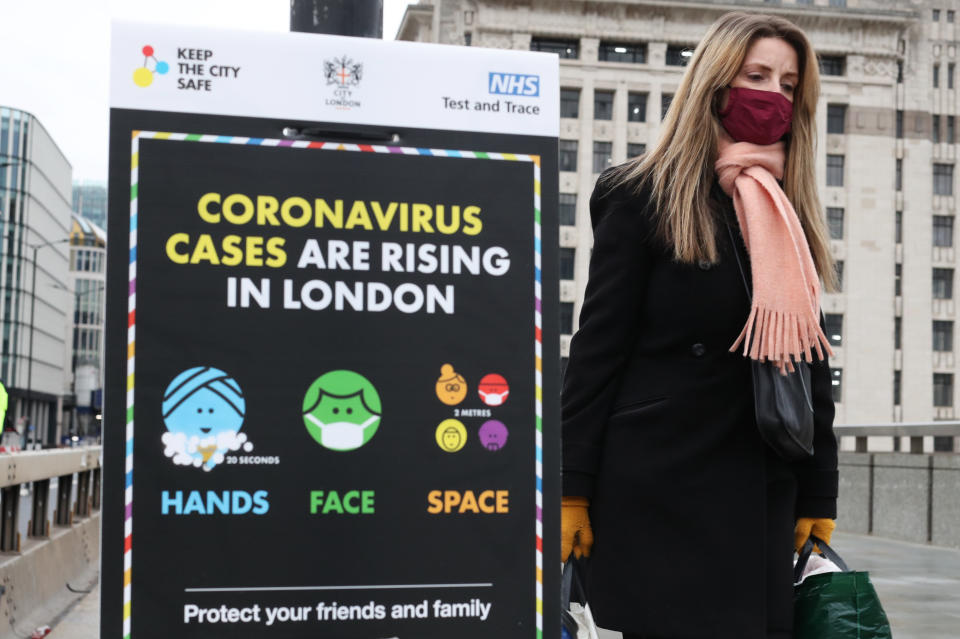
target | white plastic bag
[
  {"x": 586, "y": 628},
  {"x": 817, "y": 565},
  {"x": 576, "y": 618}
]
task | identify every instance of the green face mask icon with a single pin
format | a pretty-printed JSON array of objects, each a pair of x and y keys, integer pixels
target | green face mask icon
[{"x": 341, "y": 410}]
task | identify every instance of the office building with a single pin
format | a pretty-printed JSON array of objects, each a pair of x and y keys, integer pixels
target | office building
[
  {"x": 36, "y": 299},
  {"x": 90, "y": 201},
  {"x": 88, "y": 261}
]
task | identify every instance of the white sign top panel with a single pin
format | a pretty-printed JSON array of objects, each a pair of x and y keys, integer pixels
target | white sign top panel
[{"x": 323, "y": 78}]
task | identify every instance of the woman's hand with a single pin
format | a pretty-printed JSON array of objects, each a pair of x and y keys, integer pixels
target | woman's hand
[
  {"x": 575, "y": 532},
  {"x": 820, "y": 527}
]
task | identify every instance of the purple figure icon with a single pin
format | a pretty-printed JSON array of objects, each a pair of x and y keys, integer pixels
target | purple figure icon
[{"x": 493, "y": 434}]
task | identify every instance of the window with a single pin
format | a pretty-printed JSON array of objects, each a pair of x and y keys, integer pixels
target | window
[
  {"x": 943, "y": 443},
  {"x": 568, "y": 49},
  {"x": 950, "y": 71},
  {"x": 834, "y": 325},
  {"x": 836, "y": 115},
  {"x": 897, "y": 332},
  {"x": 835, "y": 222},
  {"x": 602, "y": 156},
  {"x": 838, "y": 3},
  {"x": 622, "y": 52},
  {"x": 834, "y": 170},
  {"x": 467, "y": 39},
  {"x": 943, "y": 230},
  {"x": 569, "y": 103},
  {"x": 897, "y": 278},
  {"x": 899, "y": 123},
  {"x": 950, "y": 15},
  {"x": 678, "y": 55},
  {"x": 634, "y": 149},
  {"x": 936, "y": 76},
  {"x": 936, "y": 15},
  {"x": 832, "y": 64},
  {"x": 568, "y": 209},
  {"x": 566, "y": 318},
  {"x": 665, "y": 100},
  {"x": 896, "y": 389},
  {"x": 899, "y": 71},
  {"x": 943, "y": 389},
  {"x": 951, "y": 129},
  {"x": 836, "y": 380},
  {"x": 943, "y": 283},
  {"x": 568, "y": 155},
  {"x": 943, "y": 179},
  {"x": 942, "y": 335},
  {"x": 839, "y": 269},
  {"x": 898, "y": 178},
  {"x": 603, "y": 105},
  {"x": 935, "y": 129},
  {"x": 636, "y": 107},
  {"x": 898, "y": 227},
  {"x": 567, "y": 256}
]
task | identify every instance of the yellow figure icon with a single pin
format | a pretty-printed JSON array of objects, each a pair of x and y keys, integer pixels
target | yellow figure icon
[
  {"x": 451, "y": 435},
  {"x": 451, "y": 387}
]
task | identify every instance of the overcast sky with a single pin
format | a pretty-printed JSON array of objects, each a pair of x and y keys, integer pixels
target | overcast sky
[{"x": 54, "y": 58}]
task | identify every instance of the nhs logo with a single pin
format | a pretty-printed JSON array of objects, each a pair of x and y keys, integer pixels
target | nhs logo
[{"x": 514, "y": 84}]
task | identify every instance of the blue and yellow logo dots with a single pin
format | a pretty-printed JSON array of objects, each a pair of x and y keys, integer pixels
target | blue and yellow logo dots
[
  {"x": 203, "y": 410},
  {"x": 143, "y": 76}
]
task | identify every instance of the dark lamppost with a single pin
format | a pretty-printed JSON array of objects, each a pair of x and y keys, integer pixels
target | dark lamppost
[
  {"x": 33, "y": 308},
  {"x": 338, "y": 17}
]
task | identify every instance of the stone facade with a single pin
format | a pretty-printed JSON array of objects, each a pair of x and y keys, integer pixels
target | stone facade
[{"x": 879, "y": 58}]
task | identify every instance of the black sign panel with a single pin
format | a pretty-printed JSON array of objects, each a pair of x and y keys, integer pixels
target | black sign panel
[{"x": 325, "y": 412}]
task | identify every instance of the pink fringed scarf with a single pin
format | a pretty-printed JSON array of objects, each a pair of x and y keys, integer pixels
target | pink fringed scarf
[{"x": 784, "y": 319}]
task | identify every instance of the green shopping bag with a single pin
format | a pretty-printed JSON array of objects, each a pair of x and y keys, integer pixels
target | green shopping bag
[{"x": 835, "y": 605}]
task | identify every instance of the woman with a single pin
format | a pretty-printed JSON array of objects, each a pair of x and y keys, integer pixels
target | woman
[{"x": 692, "y": 519}]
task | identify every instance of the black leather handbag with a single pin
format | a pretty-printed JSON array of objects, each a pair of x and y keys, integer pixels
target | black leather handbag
[{"x": 782, "y": 403}]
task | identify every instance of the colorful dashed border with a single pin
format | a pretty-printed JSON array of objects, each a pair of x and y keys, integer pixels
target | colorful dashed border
[{"x": 326, "y": 146}]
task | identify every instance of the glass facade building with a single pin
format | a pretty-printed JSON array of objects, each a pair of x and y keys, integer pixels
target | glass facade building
[
  {"x": 88, "y": 265},
  {"x": 35, "y": 296},
  {"x": 90, "y": 202}
]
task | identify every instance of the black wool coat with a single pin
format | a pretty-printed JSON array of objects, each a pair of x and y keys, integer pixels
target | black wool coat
[{"x": 692, "y": 513}]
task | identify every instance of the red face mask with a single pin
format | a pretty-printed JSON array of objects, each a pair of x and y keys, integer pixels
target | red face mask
[{"x": 760, "y": 117}]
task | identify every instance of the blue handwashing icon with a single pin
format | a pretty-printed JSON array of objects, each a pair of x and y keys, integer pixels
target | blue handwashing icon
[{"x": 203, "y": 410}]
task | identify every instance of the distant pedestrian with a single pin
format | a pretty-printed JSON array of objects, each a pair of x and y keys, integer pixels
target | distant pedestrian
[{"x": 11, "y": 437}]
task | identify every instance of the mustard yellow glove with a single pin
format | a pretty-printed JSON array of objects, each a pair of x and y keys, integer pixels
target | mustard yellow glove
[
  {"x": 822, "y": 528},
  {"x": 575, "y": 531}
]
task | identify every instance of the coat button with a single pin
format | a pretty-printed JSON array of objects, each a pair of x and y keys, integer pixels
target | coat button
[
  {"x": 698, "y": 350},
  {"x": 704, "y": 265}
]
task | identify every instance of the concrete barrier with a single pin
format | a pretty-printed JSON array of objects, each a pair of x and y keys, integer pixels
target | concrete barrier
[
  {"x": 35, "y": 581},
  {"x": 901, "y": 496},
  {"x": 946, "y": 500},
  {"x": 853, "y": 502},
  {"x": 906, "y": 496}
]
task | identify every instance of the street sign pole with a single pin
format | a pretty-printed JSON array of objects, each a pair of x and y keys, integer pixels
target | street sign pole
[{"x": 361, "y": 18}]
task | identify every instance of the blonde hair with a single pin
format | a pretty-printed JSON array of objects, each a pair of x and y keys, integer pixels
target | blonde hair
[{"x": 679, "y": 168}]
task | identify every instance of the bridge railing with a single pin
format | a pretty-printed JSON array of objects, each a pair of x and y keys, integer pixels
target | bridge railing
[
  {"x": 77, "y": 493},
  {"x": 916, "y": 431}
]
